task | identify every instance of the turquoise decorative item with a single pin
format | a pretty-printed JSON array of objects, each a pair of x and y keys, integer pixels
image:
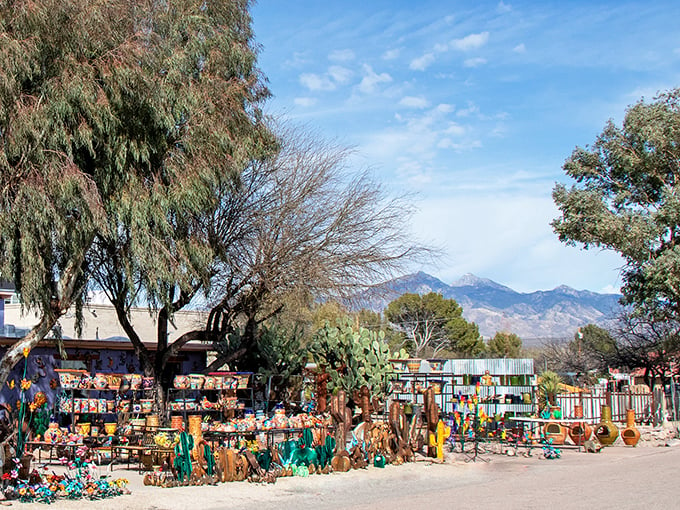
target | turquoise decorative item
[{"x": 379, "y": 461}]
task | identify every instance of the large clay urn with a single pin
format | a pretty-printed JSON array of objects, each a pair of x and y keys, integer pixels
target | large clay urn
[
  {"x": 579, "y": 432},
  {"x": 630, "y": 435},
  {"x": 605, "y": 431}
]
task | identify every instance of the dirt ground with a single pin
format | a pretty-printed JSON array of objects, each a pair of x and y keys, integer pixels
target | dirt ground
[{"x": 618, "y": 477}]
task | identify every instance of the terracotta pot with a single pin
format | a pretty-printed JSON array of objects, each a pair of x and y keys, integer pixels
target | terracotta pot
[
  {"x": 630, "y": 435},
  {"x": 556, "y": 432},
  {"x": 580, "y": 433},
  {"x": 605, "y": 431}
]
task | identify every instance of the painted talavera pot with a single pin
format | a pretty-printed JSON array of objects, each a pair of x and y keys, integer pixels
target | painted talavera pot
[
  {"x": 605, "y": 431},
  {"x": 630, "y": 435}
]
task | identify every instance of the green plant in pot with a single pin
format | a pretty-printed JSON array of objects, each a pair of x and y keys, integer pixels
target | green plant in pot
[{"x": 548, "y": 386}]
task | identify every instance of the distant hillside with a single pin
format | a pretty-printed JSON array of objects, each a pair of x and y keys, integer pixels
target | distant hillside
[{"x": 542, "y": 314}]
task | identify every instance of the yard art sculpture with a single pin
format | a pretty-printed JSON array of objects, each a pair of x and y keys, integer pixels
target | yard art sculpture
[{"x": 342, "y": 420}]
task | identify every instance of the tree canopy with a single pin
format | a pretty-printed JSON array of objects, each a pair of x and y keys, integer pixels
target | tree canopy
[
  {"x": 117, "y": 121},
  {"x": 431, "y": 322},
  {"x": 505, "y": 345},
  {"x": 627, "y": 199}
]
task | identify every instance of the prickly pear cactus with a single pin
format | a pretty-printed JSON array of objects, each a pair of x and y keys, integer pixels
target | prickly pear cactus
[{"x": 354, "y": 358}]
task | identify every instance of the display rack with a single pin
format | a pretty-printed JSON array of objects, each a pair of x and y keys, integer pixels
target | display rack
[
  {"x": 131, "y": 396},
  {"x": 506, "y": 386},
  {"x": 221, "y": 400}
]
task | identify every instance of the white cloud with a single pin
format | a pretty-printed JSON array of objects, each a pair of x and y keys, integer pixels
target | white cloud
[
  {"x": 371, "y": 80},
  {"x": 470, "y": 42},
  {"x": 455, "y": 129},
  {"x": 414, "y": 102},
  {"x": 503, "y": 7},
  {"x": 316, "y": 82},
  {"x": 466, "y": 112},
  {"x": 390, "y": 54},
  {"x": 422, "y": 63},
  {"x": 298, "y": 61},
  {"x": 474, "y": 62},
  {"x": 444, "y": 108},
  {"x": 520, "y": 48},
  {"x": 305, "y": 101},
  {"x": 340, "y": 74},
  {"x": 341, "y": 55}
]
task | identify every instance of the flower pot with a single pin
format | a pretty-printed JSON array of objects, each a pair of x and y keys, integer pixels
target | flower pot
[
  {"x": 83, "y": 429},
  {"x": 110, "y": 428},
  {"x": 605, "y": 431},
  {"x": 630, "y": 435}
]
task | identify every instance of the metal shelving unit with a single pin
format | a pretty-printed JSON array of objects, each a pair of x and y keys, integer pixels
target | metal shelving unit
[{"x": 512, "y": 390}]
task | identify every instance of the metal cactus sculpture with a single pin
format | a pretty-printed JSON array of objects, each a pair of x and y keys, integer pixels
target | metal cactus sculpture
[
  {"x": 342, "y": 421},
  {"x": 182, "y": 462},
  {"x": 432, "y": 415}
]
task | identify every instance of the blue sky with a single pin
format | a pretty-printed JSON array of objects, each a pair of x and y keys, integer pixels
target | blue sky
[{"x": 472, "y": 106}]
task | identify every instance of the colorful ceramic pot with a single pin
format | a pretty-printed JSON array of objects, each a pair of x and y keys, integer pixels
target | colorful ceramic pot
[
  {"x": 110, "y": 428},
  {"x": 100, "y": 382},
  {"x": 135, "y": 381},
  {"x": 181, "y": 382}
]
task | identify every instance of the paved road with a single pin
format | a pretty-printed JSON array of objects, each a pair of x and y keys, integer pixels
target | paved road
[{"x": 618, "y": 478}]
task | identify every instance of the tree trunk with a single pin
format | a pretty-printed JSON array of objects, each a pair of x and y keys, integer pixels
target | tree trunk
[{"x": 16, "y": 351}]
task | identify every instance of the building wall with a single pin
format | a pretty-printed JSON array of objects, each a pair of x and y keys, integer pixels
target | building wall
[{"x": 100, "y": 322}]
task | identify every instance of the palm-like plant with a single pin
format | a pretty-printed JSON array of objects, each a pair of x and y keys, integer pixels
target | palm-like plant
[{"x": 548, "y": 386}]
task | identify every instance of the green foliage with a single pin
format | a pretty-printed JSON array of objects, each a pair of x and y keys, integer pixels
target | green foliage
[
  {"x": 432, "y": 323},
  {"x": 548, "y": 387},
  {"x": 505, "y": 345},
  {"x": 354, "y": 358},
  {"x": 626, "y": 199}
]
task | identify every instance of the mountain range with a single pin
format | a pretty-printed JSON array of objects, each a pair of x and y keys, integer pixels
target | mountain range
[{"x": 533, "y": 316}]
